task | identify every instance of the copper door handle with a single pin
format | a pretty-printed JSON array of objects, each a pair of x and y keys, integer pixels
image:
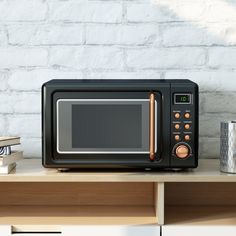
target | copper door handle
[{"x": 152, "y": 126}]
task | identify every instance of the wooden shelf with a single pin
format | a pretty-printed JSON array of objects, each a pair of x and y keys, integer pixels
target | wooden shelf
[
  {"x": 31, "y": 170},
  {"x": 40, "y": 199},
  {"x": 51, "y": 218},
  {"x": 200, "y": 215}
]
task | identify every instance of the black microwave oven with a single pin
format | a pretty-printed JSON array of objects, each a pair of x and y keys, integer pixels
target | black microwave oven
[{"x": 120, "y": 124}]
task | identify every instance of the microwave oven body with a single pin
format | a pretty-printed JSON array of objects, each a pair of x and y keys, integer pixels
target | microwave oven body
[{"x": 120, "y": 124}]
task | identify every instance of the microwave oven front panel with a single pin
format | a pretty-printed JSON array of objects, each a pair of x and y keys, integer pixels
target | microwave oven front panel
[{"x": 103, "y": 126}]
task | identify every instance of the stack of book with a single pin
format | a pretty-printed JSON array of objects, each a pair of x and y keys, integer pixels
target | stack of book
[{"x": 8, "y": 158}]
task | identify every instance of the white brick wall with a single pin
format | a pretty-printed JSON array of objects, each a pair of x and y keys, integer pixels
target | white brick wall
[
  {"x": 167, "y": 58},
  {"x": 136, "y": 34},
  {"x": 85, "y": 11},
  {"x": 158, "y": 39},
  {"x": 36, "y": 35},
  {"x": 22, "y": 11},
  {"x": 86, "y": 57}
]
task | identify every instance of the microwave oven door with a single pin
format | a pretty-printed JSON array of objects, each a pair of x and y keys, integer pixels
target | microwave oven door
[{"x": 107, "y": 126}]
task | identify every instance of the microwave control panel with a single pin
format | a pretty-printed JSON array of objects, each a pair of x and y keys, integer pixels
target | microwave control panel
[{"x": 183, "y": 128}]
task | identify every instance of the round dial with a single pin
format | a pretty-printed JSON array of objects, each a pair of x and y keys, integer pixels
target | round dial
[{"x": 182, "y": 151}]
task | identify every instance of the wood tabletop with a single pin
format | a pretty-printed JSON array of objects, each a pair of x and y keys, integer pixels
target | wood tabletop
[{"x": 31, "y": 170}]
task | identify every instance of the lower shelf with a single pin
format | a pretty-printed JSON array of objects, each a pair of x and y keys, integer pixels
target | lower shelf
[
  {"x": 51, "y": 218},
  {"x": 200, "y": 215}
]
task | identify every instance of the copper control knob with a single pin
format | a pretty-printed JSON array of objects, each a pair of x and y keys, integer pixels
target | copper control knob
[
  {"x": 177, "y": 137},
  {"x": 187, "y": 137},
  {"x": 177, "y": 126},
  {"x": 182, "y": 151},
  {"x": 187, "y": 115},
  {"x": 177, "y": 115},
  {"x": 187, "y": 126}
]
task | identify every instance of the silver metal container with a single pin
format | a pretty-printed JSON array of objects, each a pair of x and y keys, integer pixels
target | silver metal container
[{"x": 228, "y": 147}]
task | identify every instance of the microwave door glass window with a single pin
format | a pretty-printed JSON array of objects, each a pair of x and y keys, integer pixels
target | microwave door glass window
[
  {"x": 107, "y": 126},
  {"x": 103, "y": 126}
]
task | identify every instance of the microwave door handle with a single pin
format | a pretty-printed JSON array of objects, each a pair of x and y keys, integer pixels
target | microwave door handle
[{"x": 152, "y": 126}]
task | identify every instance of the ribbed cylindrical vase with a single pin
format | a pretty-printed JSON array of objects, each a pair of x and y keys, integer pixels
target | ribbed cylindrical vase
[{"x": 228, "y": 147}]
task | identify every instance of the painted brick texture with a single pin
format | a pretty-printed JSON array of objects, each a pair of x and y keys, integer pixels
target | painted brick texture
[{"x": 116, "y": 39}]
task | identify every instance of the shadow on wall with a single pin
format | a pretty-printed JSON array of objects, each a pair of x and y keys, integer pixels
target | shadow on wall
[{"x": 211, "y": 26}]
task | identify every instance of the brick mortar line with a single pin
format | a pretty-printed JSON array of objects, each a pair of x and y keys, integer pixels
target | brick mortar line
[{"x": 129, "y": 70}]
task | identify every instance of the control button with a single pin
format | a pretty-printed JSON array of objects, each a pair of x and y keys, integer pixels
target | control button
[
  {"x": 187, "y": 115},
  {"x": 182, "y": 151},
  {"x": 187, "y": 137},
  {"x": 177, "y": 126},
  {"x": 177, "y": 115},
  {"x": 187, "y": 126},
  {"x": 177, "y": 137}
]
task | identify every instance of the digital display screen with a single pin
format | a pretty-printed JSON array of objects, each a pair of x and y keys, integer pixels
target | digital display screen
[{"x": 182, "y": 98}]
